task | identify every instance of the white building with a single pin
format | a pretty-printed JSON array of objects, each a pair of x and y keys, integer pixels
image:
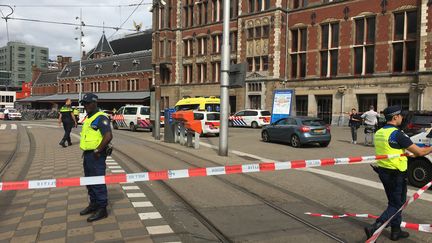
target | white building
[{"x": 7, "y": 99}]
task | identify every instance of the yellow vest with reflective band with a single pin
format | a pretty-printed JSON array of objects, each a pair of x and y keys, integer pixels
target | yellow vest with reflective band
[
  {"x": 76, "y": 112},
  {"x": 65, "y": 109},
  {"x": 90, "y": 138},
  {"x": 382, "y": 147}
]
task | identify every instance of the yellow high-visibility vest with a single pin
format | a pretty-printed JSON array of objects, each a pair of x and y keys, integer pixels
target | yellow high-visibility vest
[
  {"x": 90, "y": 138},
  {"x": 382, "y": 147}
]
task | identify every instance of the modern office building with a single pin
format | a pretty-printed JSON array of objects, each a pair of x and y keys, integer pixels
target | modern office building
[{"x": 18, "y": 58}]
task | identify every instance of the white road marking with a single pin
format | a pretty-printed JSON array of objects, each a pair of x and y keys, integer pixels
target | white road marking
[
  {"x": 115, "y": 167},
  {"x": 161, "y": 229},
  {"x": 151, "y": 215},
  {"x": 130, "y": 188},
  {"x": 142, "y": 204},
  {"x": 111, "y": 163},
  {"x": 135, "y": 195},
  {"x": 117, "y": 171},
  {"x": 13, "y": 126},
  {"x": 364, "y": 182},
  {"x": 2, "y": 126}
]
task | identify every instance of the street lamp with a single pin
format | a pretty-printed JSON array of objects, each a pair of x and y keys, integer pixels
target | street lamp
[{"x": 81, "y": 44}]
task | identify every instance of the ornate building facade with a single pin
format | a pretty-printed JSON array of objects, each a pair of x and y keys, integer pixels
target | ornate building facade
[{"x": 335, "y": 55}]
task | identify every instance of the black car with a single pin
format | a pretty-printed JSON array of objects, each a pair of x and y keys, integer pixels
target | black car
[
  {"x": 298, "y": 131},
  {"x": 416, "y": 122}
]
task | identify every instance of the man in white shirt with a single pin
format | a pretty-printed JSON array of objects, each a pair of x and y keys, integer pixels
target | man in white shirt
[
  {"x": 6, "y": 114},
  {"x": 371, "y": 120}
]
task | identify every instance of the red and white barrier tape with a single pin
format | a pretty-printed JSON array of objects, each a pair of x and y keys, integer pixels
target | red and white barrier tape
[
  {"x": 414, "y": 197},
  {"x": 186, "y": 173},
  {"x": 418, "y": 227}
]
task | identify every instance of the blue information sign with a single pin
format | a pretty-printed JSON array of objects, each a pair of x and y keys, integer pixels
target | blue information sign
[
  {"x": 168, "y": 113},
  {"x": 282, "y": 104}
]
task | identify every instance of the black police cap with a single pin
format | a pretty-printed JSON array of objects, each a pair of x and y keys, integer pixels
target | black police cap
[
  {"x": 391, "y": 111},
  {"x": 89, "y": 98}
]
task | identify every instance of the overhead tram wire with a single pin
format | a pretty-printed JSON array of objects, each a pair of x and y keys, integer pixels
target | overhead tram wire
[
  {"x": 79, "y": 6},
  {"x": 130, "y": 15},
  {"x": 66, "y": 23}
]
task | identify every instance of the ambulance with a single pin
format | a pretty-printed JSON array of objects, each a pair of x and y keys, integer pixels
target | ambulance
[
  {"x": 250, "y": 118},
  {"x": 210, "y": 104},
  {"x": 420, "y": 168},
  {"x": 132, "y": 117}
]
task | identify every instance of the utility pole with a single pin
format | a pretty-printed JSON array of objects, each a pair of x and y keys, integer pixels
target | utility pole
[
  {"x": 81, "y": 44},
  {"x": 223, "y": 135}
]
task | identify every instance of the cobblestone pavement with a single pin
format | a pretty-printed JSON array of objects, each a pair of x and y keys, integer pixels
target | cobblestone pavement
[{"x": 52, "y": 215}]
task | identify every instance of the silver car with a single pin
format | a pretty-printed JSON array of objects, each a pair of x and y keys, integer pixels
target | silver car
[{"x": 298, "y": 131}]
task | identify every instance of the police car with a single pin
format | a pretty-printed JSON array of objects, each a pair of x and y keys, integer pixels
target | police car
[
  {"x": 132, "y": 117},
  {"x": 420, "y": 168},
  {"x": 250, "y": 118}
]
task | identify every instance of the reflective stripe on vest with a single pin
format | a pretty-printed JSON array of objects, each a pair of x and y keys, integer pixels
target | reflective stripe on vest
[
  {"x": 383, "y": 147},
  {"x": 76, "y": 112},
  {"x": 90, "y": 138},
  {"x": 65, "y": 109}
]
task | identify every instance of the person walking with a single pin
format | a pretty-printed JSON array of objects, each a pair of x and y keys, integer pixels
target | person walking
[
  {"x": 371, "y": 120},
  {"x": 392, "y": 172},
  {"x": 95, "y": 138},
  {"x": 354, "y": 124},
  {"x": 76, "y": 114},
  {"x": 67, "y": 118}
]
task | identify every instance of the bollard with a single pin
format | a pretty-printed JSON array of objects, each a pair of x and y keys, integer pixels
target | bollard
[
  {"x": 189, "y": 139},
  {"x": 197, "y": 140},
  {"x": 182, "y": 135}
]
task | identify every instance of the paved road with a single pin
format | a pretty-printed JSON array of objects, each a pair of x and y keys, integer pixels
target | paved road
[{"x": 236, "y": 205}]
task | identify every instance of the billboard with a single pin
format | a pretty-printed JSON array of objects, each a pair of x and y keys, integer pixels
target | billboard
[{"x": 282, "y": 104}]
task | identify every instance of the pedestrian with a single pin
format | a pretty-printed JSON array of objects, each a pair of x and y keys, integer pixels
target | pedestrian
[
  {"x": 76, "y": 114},
  {"x": 6, "y": 114},
  {"x": 390, "y": 139},
  {"x": 67, "y": 118},
  {"x": 95, "y": 138},
  {"x": 354, "y": 124},
  {"x": 371, "y": 120}
]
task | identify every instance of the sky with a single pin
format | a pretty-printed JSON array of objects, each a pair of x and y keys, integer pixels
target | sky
[{"x": 60, "y": 39}]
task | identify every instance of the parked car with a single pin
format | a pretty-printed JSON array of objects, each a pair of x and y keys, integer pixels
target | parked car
[
  {"x": 210, "y": 121},
  {"x": 14, "y": 115},
  {"x": 250, "y": 118},
  {"x": 420, "y": 168},
  {"x": 298, "y": 131},
  {"x": 416, "y": 122},
  {"x": 132, "y": 117}
]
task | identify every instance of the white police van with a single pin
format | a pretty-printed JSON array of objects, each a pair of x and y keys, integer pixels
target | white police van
[
  {"x": 132, "y": 117},
  {"x": 420, "y": 168},
  {"x": 250, "y": 118}
]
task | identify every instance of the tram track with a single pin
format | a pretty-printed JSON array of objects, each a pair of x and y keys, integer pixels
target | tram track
[{"x": 218, "y": 233}]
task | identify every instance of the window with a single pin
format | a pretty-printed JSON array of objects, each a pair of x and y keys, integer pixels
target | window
[
  {"x": 265, "y": 63},
  {"x": 401, "y": 100},
  {"x": 265, "y": 31},
  {"x": 130, "y": 110},
  {"x": 405, "y": 42},
  {"x": 233, "y": 8},
  {"x": 145, "y": 111},
  {"x": 217, "y": 43},
  {"x": 258, "y": 5},
  {"x": 364, "y": 46},
  {"x": 202, "y": 45},
  {"x": 187, "y": 71},
  {"x": 250, "y": 64},
  {"x": 298, "y": 4},
  {"x": 250, "y": 33},
  {"x": 329, "y": 49},
  {"x": 188, "y": 48},
  {"x": 216, "y": 72},
  {"x": 217, "y": 10},
  {"x": 233, "y": 41},
  {"x": 202, "y": 72},
  {"x": 188, "y": 13},
  {"x": 301, "y": 105},
  {"x": 132, "y": 85},
  {"x": 298, "y": 56},
  {"x": 258, "y": 32},
  {"x": 161, "y": 49},
  {"x": 113, "y": 86}
]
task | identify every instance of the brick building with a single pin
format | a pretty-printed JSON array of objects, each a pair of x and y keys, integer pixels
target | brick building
[
  {"x": 119, "y": 72},
  {"x": 335, "y": 54}
]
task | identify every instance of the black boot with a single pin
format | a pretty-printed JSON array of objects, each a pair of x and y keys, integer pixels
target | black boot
[
  {"x": 99, "y": 214},
  {"x": 370, "y": 230},
  {"x": 62, "y": 143},
  {"x": 397, "y": 233},
  {"x": 89, "y": 209},
  {"x": 69, "y": 142}
]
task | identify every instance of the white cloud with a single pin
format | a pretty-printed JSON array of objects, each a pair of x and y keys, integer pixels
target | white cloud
[{"x": 60, "y": 39}]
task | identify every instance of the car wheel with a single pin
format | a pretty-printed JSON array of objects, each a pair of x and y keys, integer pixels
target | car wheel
[
  {"x": 295, "y": 141},
  {"x": 324, "y": 144},
  {"x": 419, "y": 172},
  {"x": 115, "y": 125},
  {"x": 132, "y": 127},
  {"x": 254, "y": 125},
  {"x": 230, "y": 123},
  {"x": 265, "y": 136}
]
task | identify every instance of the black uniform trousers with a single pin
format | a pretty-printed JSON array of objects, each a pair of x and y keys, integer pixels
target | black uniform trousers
[
  {"x": 96, "y": 167},
  {"x": 67, "y": 126}
]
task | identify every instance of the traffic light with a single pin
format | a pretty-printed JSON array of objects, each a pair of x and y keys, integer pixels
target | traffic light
[{"x": 237, "y": 75}]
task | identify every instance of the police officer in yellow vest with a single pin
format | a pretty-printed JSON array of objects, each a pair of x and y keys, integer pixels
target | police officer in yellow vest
[
  {"x": 76, "y": 114},
  {"x": 392, "y": 172},
  {"x": 95, "y": 138},
  {"x": 67, "y": 118}
]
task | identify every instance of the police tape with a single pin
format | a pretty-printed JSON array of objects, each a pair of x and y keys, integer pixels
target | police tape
[
  {"x": 186, "y": 173},
  {"x": 410, "y": 200},
  {"x": 418, "y": 227}
]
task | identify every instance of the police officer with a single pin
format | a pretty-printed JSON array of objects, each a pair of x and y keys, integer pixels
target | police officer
[
  {"x": 392, "y": 172},
  {"x": 76, "y": 114},
  {"x": 68, "y": 119},
  {"x": 95, "y": 137}
]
